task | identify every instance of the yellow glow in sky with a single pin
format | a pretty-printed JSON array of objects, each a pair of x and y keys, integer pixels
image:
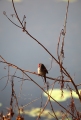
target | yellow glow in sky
[
  {"x": 56, "y": 94},
  {"x": 34, "y": 112},
  {"x": 0, "y": 104},
  {"x": 15, "y": 0},
  {"x": 67, "y": 0}
]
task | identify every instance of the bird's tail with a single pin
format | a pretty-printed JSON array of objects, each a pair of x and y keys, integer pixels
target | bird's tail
[{"x": 45, "y": 78}]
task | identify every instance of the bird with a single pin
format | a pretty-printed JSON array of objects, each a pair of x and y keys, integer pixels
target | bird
[{"x": 42, "y": 70}]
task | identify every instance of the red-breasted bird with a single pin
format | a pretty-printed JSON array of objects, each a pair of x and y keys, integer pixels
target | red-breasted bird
[{"x": 42, "y": 70}]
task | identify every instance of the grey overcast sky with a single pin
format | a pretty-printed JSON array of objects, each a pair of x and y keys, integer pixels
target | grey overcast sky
[{"x": 45, "y": 19}]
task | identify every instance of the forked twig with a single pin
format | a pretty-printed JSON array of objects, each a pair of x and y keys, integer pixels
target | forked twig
[{"x": 63, "y": 69}]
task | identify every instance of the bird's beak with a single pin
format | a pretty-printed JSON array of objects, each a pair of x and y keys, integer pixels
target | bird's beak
[{"x": 38, "y": 65}]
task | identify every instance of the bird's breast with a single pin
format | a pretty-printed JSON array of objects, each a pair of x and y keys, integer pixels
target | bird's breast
[{"x": 40, "y": 72}]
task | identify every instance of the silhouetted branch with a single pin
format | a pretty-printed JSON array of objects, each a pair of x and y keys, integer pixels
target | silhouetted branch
[
  {"x": 62, "y": 68},
  {"x": 37, "y": 85}
]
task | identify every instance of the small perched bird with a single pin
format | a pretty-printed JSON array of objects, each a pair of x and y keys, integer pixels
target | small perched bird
[{"x": 42, "y": 70}]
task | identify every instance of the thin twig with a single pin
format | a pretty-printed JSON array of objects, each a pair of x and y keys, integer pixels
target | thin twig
[
  {"x": 63, "y": 69},
  {"x": 38, "y": 86}
]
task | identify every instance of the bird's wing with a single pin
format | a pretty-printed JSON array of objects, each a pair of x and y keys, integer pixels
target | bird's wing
[{"x": 44, "y": 68}]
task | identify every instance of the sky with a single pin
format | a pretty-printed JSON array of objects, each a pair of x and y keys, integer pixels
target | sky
[{"x": 45, "y": 19}]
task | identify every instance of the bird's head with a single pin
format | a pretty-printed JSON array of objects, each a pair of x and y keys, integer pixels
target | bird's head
[{"x": 39, "y": 65}]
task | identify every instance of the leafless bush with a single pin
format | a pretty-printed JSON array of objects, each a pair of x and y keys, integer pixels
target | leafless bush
[{"x": 66, "y": 113}]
